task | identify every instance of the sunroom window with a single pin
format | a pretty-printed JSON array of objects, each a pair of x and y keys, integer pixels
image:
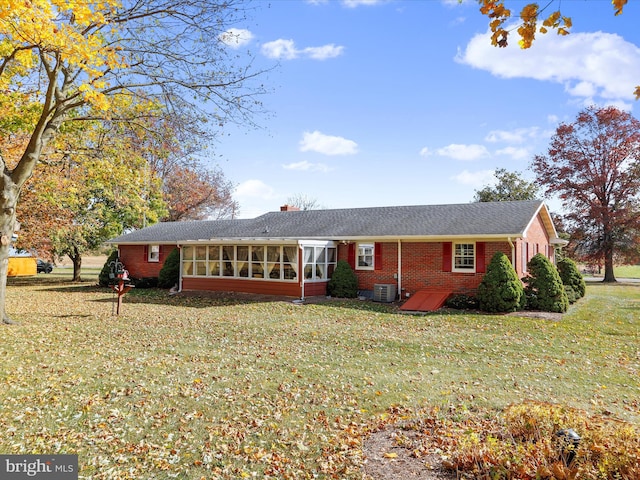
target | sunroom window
[
  {"x": 275, "y": 262},
  {"x": 319, "y": 262}
]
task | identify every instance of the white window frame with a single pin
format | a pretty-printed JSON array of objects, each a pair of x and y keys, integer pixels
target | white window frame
[
  {"x": 153, "y": 253},
  {"x": 462, "y": 255},
  {"x": 320, "y": 264},
  {"x": 249, "y": 265},
  {"x": 361, "y": 252}
]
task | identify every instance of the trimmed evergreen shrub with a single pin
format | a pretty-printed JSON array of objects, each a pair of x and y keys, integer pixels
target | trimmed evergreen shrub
[
  {"x": 103, "y": 277},
  {"x": 344, "y": 282},
  {"x": 572, "y": 296},
  {"x": 462, "y": 302},
  {"x": 544, "y": 289},
  {"x": 170, "y": 271},
  {"x": 500, "y": 290},
  {"x": 571, "y": 276}
]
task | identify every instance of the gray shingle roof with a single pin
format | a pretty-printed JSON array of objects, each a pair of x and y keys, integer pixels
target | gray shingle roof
[{"x": 468, "y": 219}]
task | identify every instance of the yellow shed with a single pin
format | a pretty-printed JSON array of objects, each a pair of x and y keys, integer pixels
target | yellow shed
[{"x": 22, "y": 267}]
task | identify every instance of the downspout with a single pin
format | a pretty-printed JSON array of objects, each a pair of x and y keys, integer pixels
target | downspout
[
  {"x": 180, "y": 269},
  {"x": 399, "y": 269},
  {"x": 513, "y": 253},
  {"x": 301, "y": 268}
]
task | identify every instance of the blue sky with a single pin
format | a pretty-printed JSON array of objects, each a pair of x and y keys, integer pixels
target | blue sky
[{"x": 390, "y": 102}]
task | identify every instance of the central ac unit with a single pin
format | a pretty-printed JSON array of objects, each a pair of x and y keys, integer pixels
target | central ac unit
[{"x": 384, "y": 292}]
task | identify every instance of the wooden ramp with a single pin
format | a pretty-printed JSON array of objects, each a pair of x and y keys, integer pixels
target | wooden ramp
[{"x": 426, "y": 300}]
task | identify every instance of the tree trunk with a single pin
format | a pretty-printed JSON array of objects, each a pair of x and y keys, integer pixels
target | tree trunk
[
  {"x": 8, "y": 199},
  {"x": 609, "y": 277},
  {"x": 76, "y": 258}
]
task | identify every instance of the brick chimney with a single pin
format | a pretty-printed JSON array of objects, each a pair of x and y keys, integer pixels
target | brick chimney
[{"x": 289, "y": 208}]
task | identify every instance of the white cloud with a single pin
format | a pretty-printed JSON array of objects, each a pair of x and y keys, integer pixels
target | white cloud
[
  {"x": 357, "y": 3},
  {"x": 286, "y": 50},
  {"x": 307, "y": 167},
  {"x": 519, "y": 135},
  {"x": 327, "y": 144},
  {"x": 281, "y": 48},
  {"x": 474, "y": 179},
  {"x": 598, "y": 64},
  {"x": 425, "y": 152},
  {"x": 324, "y": 52},
  {"x": 513, "y": 152},
  {"x": 463, "y": 152},
  {"x": 255, "y": 189},
  {"x": 236, "y": 37}
]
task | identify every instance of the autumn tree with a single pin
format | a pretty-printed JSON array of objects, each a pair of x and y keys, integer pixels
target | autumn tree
[
  {"x": 70, "y": 59},
  {"x": 593, "y": 166},
  {"x": 531, "y": 19},
  {"x": 508, "y": 186},
  {"x": 197, "y": 193}
]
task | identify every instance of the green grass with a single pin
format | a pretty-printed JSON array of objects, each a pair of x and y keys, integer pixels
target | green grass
[
  {"x": 191, "y": 387},
  {"x": 627, "y": 271}
]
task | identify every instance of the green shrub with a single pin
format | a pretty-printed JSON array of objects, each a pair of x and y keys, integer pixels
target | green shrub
[
  {"x": 170, "y": 272},
  {"x": 104, "y": 278},
  {"x": 145, "y": 282},
  {"x": 544, "y": 289},
  {"x": 572, "y": 296},
  {"x": 500, "y": 290},
  {"x": 462, "y": 302},
  {"x": 344, "y": 282},
  {"x": 571, "y": 276}
]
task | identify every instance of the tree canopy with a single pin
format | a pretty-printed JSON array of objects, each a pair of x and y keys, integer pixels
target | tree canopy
[
  {"x": 63, "y": 60},
  {"x": 508, "y": 186},
  {"x": 593, "y": 166}
]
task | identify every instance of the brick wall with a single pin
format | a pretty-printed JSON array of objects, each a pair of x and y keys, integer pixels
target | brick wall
[
  {"x": 134, "y": 258},
  {"x": 535, "y": 241},
  {"x": 422, "y": 267}
]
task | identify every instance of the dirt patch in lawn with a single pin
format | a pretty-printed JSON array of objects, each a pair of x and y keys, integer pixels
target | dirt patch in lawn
[{"x": 385, "y": 459}]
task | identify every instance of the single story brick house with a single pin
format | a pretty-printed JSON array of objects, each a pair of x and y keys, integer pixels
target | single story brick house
[{"x": 294, "y": 252}]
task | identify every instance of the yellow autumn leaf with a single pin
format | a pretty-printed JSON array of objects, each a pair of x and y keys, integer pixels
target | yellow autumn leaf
[{"x": 390, "y": 455}]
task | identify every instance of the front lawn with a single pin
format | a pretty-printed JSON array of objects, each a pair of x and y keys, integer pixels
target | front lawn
[{"x": 190, "y": 387}]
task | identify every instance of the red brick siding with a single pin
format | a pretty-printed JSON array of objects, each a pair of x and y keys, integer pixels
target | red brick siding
[
  {"x": 535, "y": 241},
  {"x": 134, "y": 258},
  {"x": 422, "y": 267},
  {"x": 265, "y": 287}
]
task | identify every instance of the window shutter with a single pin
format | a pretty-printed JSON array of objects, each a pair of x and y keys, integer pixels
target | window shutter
[
  {"x": 377, "y": 256},
  {"x": 446, "y": 256},
  {"x": 146, "y": 253},
  {"x": 160, "y": 253},
  {"x": 351, "y": 255},
  {"x": 480, "y": 258}
]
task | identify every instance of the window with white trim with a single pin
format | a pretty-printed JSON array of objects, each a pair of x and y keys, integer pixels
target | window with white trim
[
  {"x": 365, "y": 256},
  {"x": 319, "y": 262},
  {"x": 274, "y": 262},
  {"x": 153, "y": 254},
  {"x": 464, "y": 258}
]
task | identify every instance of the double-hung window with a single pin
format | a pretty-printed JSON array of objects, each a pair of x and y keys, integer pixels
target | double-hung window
[
  {"x": 153, "y": 254},
  {"x": 464, "y": 258},
  {"x": 365, "y": 256}
]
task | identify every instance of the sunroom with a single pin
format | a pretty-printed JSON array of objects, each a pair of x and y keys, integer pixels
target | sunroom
[{"x": 255, "y": 266}]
